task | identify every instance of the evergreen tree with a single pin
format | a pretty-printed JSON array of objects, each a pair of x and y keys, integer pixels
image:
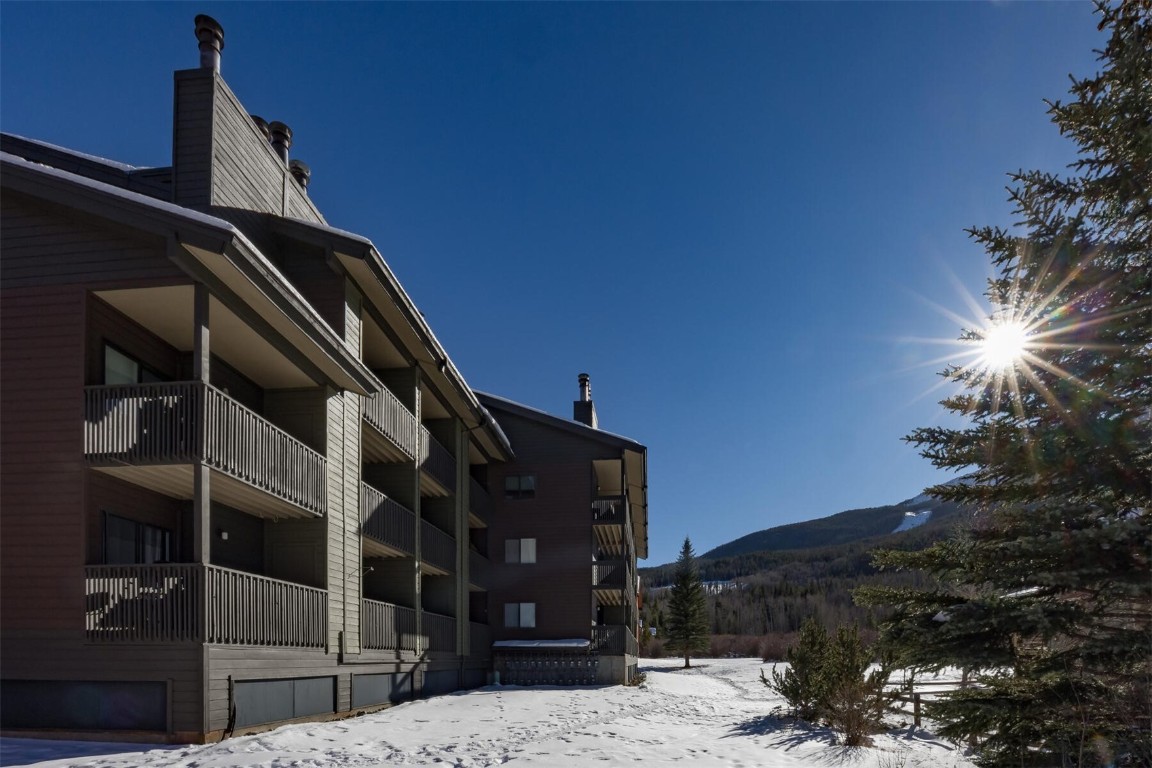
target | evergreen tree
[
  {"x": 687, "y": 618},
  {"x": 1048, "y": 594}
]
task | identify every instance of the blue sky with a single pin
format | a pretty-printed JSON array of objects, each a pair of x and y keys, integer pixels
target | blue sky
[{"x": 741, "y": 219}]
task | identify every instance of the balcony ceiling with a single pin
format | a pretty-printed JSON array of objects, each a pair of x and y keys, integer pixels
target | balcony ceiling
[
  {"x": 175, "y": 481},
  {"x": 168, "y": 312}
]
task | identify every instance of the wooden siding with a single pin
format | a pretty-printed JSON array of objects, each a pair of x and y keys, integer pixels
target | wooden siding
[
  {"x": 192, "y": 138},
  {"x": 41, "y": 439},
  {"x": 558, "y": 517},
  {"x": 44, "y": 244}
]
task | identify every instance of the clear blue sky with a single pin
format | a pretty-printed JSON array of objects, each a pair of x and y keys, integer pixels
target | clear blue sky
[{"x": 735, "y": 217}]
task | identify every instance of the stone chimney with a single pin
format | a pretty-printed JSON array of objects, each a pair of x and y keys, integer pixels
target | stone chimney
[
  {"x": 584, "y": 410},
  {"x": 211, "y": 37}
]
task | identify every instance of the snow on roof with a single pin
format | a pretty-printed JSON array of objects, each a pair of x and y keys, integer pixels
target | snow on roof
[
  {"x": 82, "y": 155},
  {"x": 573, "y": 643}
]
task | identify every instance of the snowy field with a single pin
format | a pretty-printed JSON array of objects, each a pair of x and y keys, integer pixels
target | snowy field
[{"x": 715, "y": 714}]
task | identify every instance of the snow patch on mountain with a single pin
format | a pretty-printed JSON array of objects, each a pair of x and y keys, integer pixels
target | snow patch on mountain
[{"x": 913, "y": 520}]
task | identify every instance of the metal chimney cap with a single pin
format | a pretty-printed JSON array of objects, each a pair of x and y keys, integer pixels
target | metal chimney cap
[
  {"x": 262, "y": 124},
  {"x": 211, "y": 37},
  {"x": 301, "y": 172}
]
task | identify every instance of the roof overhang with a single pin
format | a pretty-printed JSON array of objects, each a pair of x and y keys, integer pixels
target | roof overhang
[
  {"x": 364, "y": 265},
  {"x": 210, "y": 250}
]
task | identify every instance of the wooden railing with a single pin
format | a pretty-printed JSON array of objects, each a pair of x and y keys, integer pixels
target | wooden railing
[
  {"x": 479, "y": 502},
  {"x": 386, "y": 520},
  {"x": 198, "y": 603},
  {"x": 614, "y": 640},
  {"x": 611, "y": 574},
  {"x": 610, "y": 509},
  {"x": 385, "y": 626},
  {"x": 479, "y": 569},
  {"x": 186, "y": 422},
  {"x": 436, "y": 547},
  {"x": 144, "y": 603},
  {"x": 384, "y": 412},
  {"x": 436, "y": 460},
  {"x": 479, "y": 639},
  {"x": 440, "y": 631}
]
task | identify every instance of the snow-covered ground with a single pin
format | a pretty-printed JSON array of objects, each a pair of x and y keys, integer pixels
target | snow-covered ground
[{"x": 715, "y": 714}]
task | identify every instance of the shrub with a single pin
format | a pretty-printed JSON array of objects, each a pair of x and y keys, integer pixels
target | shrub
[{"x": 828, "y": 679}]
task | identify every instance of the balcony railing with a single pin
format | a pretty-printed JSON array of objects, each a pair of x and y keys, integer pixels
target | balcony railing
[
  {"x": 387, "y": 521},
  {"x": 479, "y": 569},
  {"x": 610, "y": 510},
  {"x": 610, "y": 574},
  {"x": 479, "y": 502},
  {"x": 387, "y": 627},
  {"x": 437, "y": 548},
  {"x": 190, "y": 421},
  {"x": 614, "y": 640},
  {"x": 166, "y": 603},
  {"x": 440, "y": 631},
  {"x": 437, "y": 461},
  {"x": 388, "y": 416}
]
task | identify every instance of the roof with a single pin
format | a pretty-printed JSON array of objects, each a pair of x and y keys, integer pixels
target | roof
[
  {"x": 201, "y": 236},
  {"x": 569, "y": 425}
]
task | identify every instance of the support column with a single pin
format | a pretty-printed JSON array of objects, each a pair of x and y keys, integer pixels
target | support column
[
  {"x": 201, "y": 372},
  {"x": 463, "y": 539}
]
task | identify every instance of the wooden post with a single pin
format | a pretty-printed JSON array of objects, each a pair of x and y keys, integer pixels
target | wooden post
[{"x": 916, "y": 709}]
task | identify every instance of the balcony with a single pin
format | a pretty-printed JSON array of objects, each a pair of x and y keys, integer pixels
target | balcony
[
  {"x": 612, "y": 582},
  {"x": 389, "y": 527},
  {"x": 394, "y": 433},
  {"x": 201, "y": 604},
  {"x": 152, "y": 434},
  {"x": 479, "y": 570},
  {"x": 479, "y": 505},
  {"x": 612, "y": 524},
  {"x": 388, "y": 627},
  {"x": 437, "y": 467},
  {"x": 614, "y": 640},
  {"x": 437, "y": 550},
  {"x": 440, "y": 631}
]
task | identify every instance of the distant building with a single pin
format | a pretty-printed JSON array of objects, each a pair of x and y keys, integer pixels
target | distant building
[{"x": 242, "y": 481}]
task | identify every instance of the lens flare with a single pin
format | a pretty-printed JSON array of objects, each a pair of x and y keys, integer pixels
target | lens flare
[{"x": 1003, "y": 344}]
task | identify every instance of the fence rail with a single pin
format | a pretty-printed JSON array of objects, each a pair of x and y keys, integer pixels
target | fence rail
[
  {"x": 610, "y": 574},
  {"x": 437, "y": 461},
  {"x": 436, "y": 547},
  {"x": 440, "y": 631},
  {"x": 384, "y": 412},
  {"x": 610, "y": 509},
  {"x": 387, "y": 627},
  {"x": 188, "y": 602},
  {"x": 387, "y": 520},
  {"x": 190, "y": 421}
]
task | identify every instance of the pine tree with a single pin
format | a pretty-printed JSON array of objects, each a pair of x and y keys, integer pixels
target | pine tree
[
  {"x": 687, "y": 618},
  {"x": 1048, "y": 594}
]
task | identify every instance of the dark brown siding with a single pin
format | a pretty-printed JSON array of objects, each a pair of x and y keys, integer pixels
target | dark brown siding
[
  {"x": 46, "y": 244},
  {"x": 107, "y": 325},
  {"x": 41, "y": 439},
  {"x": 559, "y": 518}
]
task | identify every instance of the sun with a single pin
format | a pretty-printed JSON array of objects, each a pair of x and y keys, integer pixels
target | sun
[{"x": 1003, "y": 344}]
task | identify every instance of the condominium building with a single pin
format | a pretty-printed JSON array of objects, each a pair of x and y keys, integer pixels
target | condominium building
[{"x": 242, "y": 481}]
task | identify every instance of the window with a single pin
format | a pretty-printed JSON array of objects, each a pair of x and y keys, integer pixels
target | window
[
  {"x": 520, "y": 615},
  {"x": 120, "y": 368},
  {"x": 519, "y": 550},
  {"x": 520, "y": 486},
  {"x": 127, "y": 542}
]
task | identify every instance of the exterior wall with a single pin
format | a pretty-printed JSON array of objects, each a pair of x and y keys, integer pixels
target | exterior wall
[{"x": 559, "y": 517}]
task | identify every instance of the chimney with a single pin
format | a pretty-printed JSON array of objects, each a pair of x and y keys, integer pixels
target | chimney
[
  {"x": 211, "y": 37},
  {"x": 584, "y": 410},
  {"x": 262, "y": 124},
  {"x": 281, "y": 139},
  {"x": 301, "y": 172}
]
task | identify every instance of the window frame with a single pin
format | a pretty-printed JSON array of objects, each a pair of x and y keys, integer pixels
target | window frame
[
  {"x": 145, "y": 537},
  {"x": 518, "y": 547},
  {"x": 520, "y": 486},
  {"x": 520, "y": 612}
]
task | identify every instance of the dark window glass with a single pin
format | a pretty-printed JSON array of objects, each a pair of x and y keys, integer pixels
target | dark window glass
[
  {"x": 127, "y": 542},
  {"x": 520, "y": 486}
]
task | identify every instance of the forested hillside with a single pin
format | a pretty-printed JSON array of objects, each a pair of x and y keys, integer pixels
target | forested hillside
[{"x": 768, "y": 593}]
